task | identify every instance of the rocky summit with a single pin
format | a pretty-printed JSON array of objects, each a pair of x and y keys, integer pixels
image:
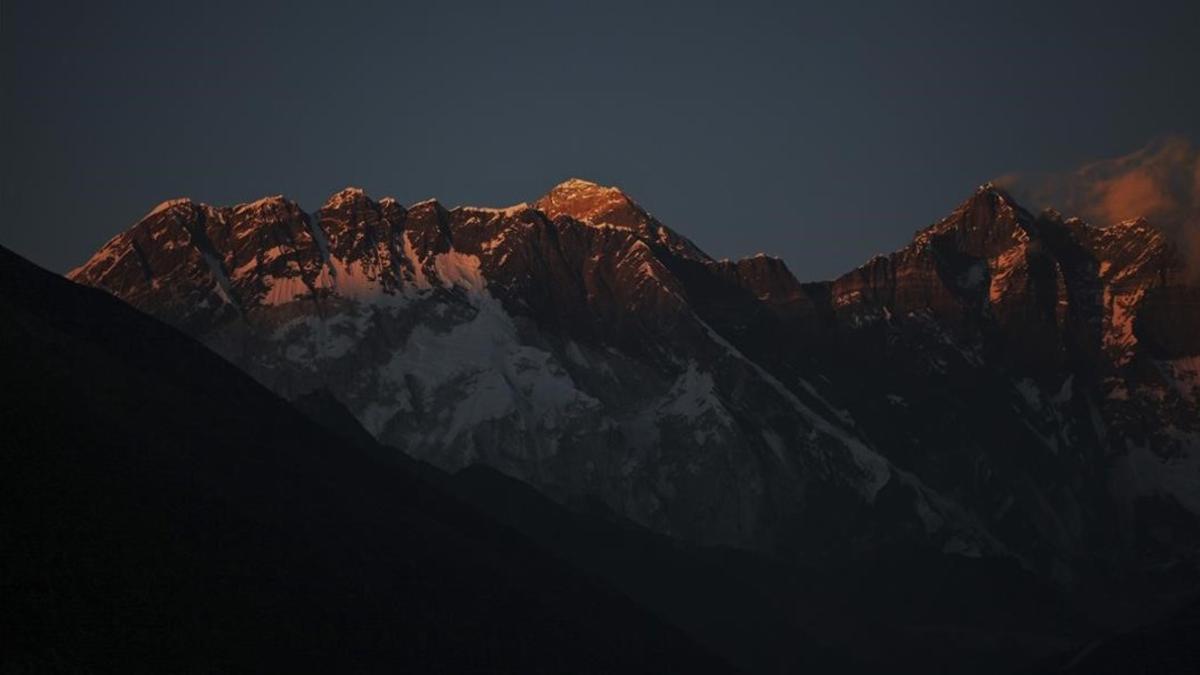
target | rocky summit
[{"x": 1012, "y": 386}]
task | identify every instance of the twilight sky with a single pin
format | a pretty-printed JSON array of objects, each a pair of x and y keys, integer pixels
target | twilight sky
[{"x": 822, "y": 133}]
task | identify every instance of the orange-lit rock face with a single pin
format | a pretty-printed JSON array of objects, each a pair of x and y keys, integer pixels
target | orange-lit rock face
[
  {"x": 578, "y": 342},
  {"x": 946, "y": 254},
  {"x": 1052, "y": 289},
  {"x": 591, "y": 203},
  {"x": 1160, "y": 183},
  {"x": 976, "y": 263},
  {"x": 603, "y": 206}
]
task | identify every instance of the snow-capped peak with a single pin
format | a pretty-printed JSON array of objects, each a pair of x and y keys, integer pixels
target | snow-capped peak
[
  {"x": 166, "y": 206},
  {"x": 345, "y": 196},
  {"x": 593, "y": 204},
  {"x": 579, "y": 184},
  {"x": 259, "y": 204},
  {"x": 507, "y": 211},
  {"x": 431, "y": 203}
]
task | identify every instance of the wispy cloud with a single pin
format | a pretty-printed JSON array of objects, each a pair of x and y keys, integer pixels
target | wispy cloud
[{"x": 1160, "y": 182}]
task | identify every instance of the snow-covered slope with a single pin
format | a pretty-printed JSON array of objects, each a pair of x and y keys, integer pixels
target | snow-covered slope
[{"x": 979, "y": 391}]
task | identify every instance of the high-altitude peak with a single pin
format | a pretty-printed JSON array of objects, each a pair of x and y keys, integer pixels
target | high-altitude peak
[
  {"x": 985, "y": 222},
  {"x": 592, "y": 203},
  {"x": 349, "y": 195},
  {"x": 167, "y": 206},
  {"x": 997, "y": 198},
  {"x": 272, "y": 203},
  {"x": 431, "y": 204},
  {"x": 990, "y": 196},
  {"x": 995, "y": 192},
  {"x": 605, "y": 206},
  {"x": 577, "y": 189},
  {"x": 582, "y": 184}
]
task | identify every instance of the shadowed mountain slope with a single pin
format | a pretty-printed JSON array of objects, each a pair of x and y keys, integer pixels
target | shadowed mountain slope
[{"x": 163, "y": 511}]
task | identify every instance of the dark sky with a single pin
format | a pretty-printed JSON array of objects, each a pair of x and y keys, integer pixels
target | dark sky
[{"x": 820, "y": 132}]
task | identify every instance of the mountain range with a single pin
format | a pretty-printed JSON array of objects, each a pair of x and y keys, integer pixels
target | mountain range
[
  {"x": 164, "y": 511},
  {"x": 1011, "y": 394},
  {"x": 1006, "y": 385}
]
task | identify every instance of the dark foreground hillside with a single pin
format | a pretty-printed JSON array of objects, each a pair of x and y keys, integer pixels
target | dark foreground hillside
[
  {"x": 1169, "y": 646},
  {"x": 163, "y": 512}
]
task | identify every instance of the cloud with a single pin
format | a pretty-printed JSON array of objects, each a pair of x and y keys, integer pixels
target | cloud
[{"x": 1160, "y": 182}]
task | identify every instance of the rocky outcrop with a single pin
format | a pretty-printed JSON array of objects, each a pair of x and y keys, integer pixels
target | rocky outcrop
[{"x": 1006, "y": 385}]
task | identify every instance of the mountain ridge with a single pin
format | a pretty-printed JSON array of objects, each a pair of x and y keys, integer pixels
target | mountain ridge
[
  {"x": 721, "y": 401},
  {"x": 174, "y": 478},
  {"x": 163, "y": 509}
]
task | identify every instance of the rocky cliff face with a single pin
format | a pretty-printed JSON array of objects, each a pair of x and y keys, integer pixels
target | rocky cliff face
[
  {"x": 1006, "y": 385},
  {"x": 1026, "y": 367}
]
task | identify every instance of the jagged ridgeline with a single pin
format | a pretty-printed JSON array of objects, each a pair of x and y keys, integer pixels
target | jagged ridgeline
[{"x": 1007, "y": 385}]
